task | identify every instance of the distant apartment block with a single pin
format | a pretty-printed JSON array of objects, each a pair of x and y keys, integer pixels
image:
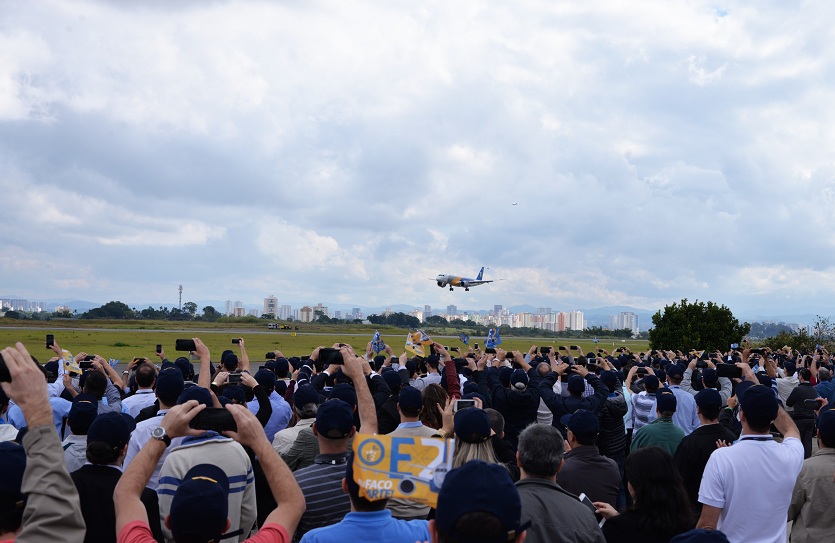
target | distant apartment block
[{"x": 271, "y": 305}]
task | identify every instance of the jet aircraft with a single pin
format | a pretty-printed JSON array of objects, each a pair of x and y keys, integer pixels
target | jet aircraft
[{"x": 444, "y": 280}]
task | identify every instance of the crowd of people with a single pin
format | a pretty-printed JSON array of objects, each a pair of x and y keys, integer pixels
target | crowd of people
[{"x": 551, "y": 445}]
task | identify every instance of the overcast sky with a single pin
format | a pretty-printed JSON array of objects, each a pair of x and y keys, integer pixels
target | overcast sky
[{"x": 346, "y": 152}]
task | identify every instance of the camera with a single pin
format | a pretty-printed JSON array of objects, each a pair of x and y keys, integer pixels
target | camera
[
  {"x": 185, "y": 345},
  {"x": 462, "y": 404},
  {"x": 328, "y": 355},
  {"x": 270, "y": 356}
]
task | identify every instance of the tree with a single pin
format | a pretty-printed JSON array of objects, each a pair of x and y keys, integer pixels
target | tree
[
  {"x": 110, "y": 310},
  {"x": 190, "y": 308},
  {"x": 698, "y": 325},
  {"x": 268, "y": 316},
  {"x": 435, "y": 320},
  {"x": 210, "y": 314},
  {"x": 63, "y": 314}
]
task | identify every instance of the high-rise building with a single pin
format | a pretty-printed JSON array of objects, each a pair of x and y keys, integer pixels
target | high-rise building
[
  {"x": 323, "y": 309},
  {"x": 254, "y": 313},
  {"x": 575, "y": 321},
  {"x": 497, "y": 309},
  {"x": 356, "y": 313},
  {"x": 286, "y": 312},
  {"x": 230, "y": 309},
  {"x": 624, "y": 320},
  {"x": 337, "y": 314},
  {"x": 451, "y": 310},
  {"x": 543, "y": 310},
  {"x": 417, "y": 313},
  {"x": 306, "y": 314},
  {"x": 427, "y": 311},
  {"x": 271, "y": 305},
  {"x": 239, "y": 311}
]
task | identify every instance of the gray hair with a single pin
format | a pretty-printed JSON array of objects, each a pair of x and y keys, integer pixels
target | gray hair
[
  {"x": 308, "y": 411},
  {"x": 824, "y": 374},
  {"x": 541, "y": 449}
]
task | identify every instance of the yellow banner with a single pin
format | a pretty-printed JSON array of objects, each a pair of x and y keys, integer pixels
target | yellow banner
[{"x": 407, "y": 467}]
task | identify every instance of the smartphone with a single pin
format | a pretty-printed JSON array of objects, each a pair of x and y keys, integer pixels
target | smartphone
[
  {"x": 462, "y": 404},
  {"x": 270, "y": 356},
  {"x": 544, "y": 350},
  {"x": 234, "y": 378},
  {"x": 90, "y": 357},
  {"x": 701, "y": 364},
  {"x": 455, "y": 349},
  {"x": 236, "y": 341},
  {"x": 447, "y": 347},
  {"x": 574, "y": 348},
  {"x": 490, "y": 351},
  {"x": 85, "y": 364},
  {"x": 476, "y": 346},
  {"x": 813, "y": 404},
  {"x": 328, "y": 355},
  {"x": 50, "y": 341},
  {"x": 185, "y": 345},
  {"x": 587, "y": 502},
  {"x": 5, "y": 377},
  {"x": 214, "y": 418},
  {"x": 592, "y": 367},
  {"x": 734, "y": 345},
  {"x": 641, "y": 371},
  {"x": 305, "y": 357},
  {"x": 730, "y": 371},
  {"x": 159, "y": 348}
]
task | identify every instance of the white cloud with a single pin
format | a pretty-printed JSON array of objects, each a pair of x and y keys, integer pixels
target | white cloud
[{"x": 654, "y": 149}]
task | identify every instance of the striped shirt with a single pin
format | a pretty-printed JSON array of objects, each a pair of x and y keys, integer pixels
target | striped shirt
[
  {"x": 321, "y": 484},
  {"x": 643, "y": 409}
]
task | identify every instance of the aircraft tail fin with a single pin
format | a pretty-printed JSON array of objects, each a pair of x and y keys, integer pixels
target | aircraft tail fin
[{"x": 480, "y": 274}]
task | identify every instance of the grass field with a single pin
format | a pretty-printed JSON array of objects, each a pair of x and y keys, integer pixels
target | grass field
[{"x": 139, "y": 339}]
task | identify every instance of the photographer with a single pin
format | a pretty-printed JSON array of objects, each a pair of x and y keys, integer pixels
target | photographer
[{"x": 37, "y": 496}]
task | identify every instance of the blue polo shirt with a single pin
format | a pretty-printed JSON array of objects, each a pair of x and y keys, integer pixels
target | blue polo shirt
[{"x": 372, "y": 526}]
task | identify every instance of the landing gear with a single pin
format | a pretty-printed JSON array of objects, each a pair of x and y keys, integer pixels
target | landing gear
[
  {"x": 451, "y": 289},
  {"x": 467, "y": 289}
]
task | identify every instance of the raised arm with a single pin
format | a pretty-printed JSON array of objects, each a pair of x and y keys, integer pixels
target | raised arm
[
  {"x": 205, "y": 378},
  {"x": 244, "y": 357},
  {"x": 352, "y": 367}
]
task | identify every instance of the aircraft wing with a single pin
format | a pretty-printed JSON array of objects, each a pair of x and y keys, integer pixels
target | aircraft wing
[{"x": 474, "y": 283}]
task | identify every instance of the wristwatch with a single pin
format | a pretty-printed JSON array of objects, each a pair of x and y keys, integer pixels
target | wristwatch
[{"x": 159, "y": 434}]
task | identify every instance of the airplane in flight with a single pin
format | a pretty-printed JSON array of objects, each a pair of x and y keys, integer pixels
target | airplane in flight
[{"x": 458, "y": 281}]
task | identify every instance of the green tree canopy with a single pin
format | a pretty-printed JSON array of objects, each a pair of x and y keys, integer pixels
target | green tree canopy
[{"x": 697, "y": 325}]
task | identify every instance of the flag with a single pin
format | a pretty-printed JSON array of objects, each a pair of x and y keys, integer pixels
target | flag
[
  {"x": 114, "y": 362},
  {"x": 377, "y": 344},
  {"x": 69, "y": 363},
  {"x": 406, "y": 467},
  {"x": 465, "y": 339},
  {"x": 416, "y": 342},
  {"x": 493, "y": 339}
]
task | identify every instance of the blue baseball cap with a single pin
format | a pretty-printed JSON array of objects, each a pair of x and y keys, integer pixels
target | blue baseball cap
[
  {"x": 472, "y": 425},
  {"x": 410, "y": 397},
  {"x": 112, "y": 428},
  {"x": 13, "y": 460},
  {"x": 582, "y": 423},
  {"x": 304, "y": 395},
  {"x": 334, "y": 419},
  {"x": 200, "y": 506}
]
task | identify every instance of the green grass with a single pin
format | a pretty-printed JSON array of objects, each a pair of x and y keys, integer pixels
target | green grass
[{"x": 124, "y": 340}]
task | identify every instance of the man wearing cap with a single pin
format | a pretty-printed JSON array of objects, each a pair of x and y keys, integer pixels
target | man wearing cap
[
  {"x": 200, "y": 505},
  {"x": 37, "y": 496},
  {"x": 387, "y": 416},
  {"x": 555, "y": 514},
  {"x": 82, "y": 413},
  {"x": 685, "y": 416},
  {"x": 565, "y": 405},
  {"x": 321, "y": 481},
  {"x": 585, "y": 470},
  {"x": 305, "y": 404},
  {"x": 813, "y": 498},
  {"x": 478, "y": 502},
  {"x": 107, "y": 443},
  {"x": 334, "y": 428},
  {"x": 519, "y": 402},
  {"x": 803, "y": 414},
  {"x": 223, "y": 452},
  {"x": 409, "y": 404},
  {"x": 643, "y": 403},
  {"x": 282, "y": 413},
  {"x": 661, "y": 432},
  {"x": 709, "y": 380},
  {"x": 695, "y": 449},
  {"x": 432, "y": 376},
  {"x": 170, "y": 385},
  {"x": 746, "y": 489}
]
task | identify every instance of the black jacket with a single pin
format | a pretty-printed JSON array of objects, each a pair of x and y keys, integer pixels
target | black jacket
[
  {"x": 517, "y": 407},
  {"x": 803, "y": 391},
  {"x": 612, "y": 437},
  {"x": 388, "y": 418},
  {"x": 556, "y": 515},
  {"x": 95, "y": 485},
  {"x": 588, "y": 472},
  {"x": 692, "y": 455},
  {"x": 565, "y": 405}
]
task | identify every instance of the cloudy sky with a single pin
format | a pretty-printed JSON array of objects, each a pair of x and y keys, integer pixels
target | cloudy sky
[{"x": 346, "y": 152}]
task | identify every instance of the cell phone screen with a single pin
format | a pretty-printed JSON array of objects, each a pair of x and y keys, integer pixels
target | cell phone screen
[
  {"x": 185, "y": 345},
  {"x": 462, "y": 404}
]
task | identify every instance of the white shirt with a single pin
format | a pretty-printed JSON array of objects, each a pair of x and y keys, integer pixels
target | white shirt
[
  {"x": 752, "y": 482},
  {"x": 75, "y": 452},
  {"x": 140, "y": 436},
  {"x": 132, "y": 405}
]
